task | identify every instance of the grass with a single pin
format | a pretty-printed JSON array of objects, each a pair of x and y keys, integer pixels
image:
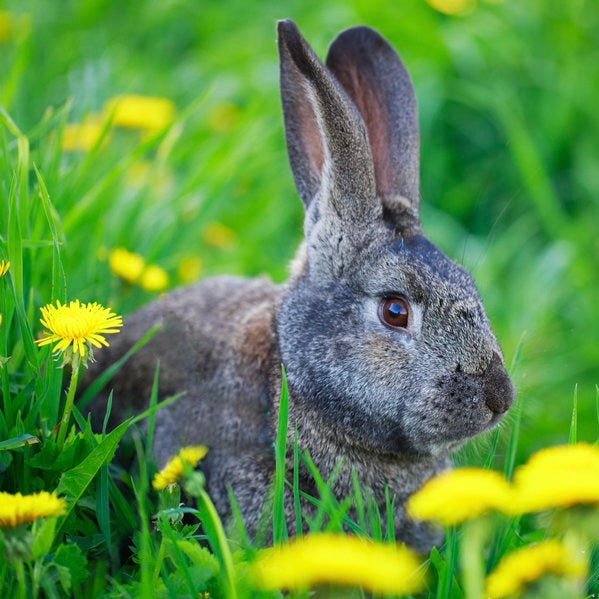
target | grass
[{"x": 510, "y": 188}]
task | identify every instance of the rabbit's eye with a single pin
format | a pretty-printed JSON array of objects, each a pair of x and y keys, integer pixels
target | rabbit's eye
[{"x": 394, "y": 312}]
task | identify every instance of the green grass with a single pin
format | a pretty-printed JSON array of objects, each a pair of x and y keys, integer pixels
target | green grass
[{"x": 510, "y": 188}]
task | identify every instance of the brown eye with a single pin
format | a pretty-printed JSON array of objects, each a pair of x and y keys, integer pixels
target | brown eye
[{"x": 394, "y": 312}]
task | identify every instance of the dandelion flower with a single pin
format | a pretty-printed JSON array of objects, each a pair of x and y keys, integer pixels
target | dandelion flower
[
  {"x": 4, "y": 266},
  {"x": 154, "y": 278},
  {"x": 126, "y": 265},
  {"x": 219, "y": 236},
  {"x": 458, "y": 495},
  {"x": 155, "y": 175},
  {"x": 224, "y": 117},
  {"x": 339, "y": 560},
  {"x": 76, "y": 327},
  {"x": 175, "y": 468},
  {"x": 556, "y": 477},
  {"x": 140, "y": 112},
  {"x": 19, "y": 509},
  {"x": 190, "y": 269},
  {"x": 453, "y": 7},
  {"x": 84, "y": 136},
  {"x": 530, "y": 563}
]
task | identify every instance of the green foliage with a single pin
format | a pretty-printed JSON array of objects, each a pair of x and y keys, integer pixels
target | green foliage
[{"x": 510, "y": 188}]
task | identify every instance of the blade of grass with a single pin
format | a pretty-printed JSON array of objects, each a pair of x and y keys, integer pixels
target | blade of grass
[
  {"x": 218, "y": 542},
  {"x": 279, "y": 523},
  {"x": 152, "y": 416},
  {"x": 358, "y": 500},
  {"x": 517, "y": 418},
  {"x": 103, "y": 379},
  {"x": 390, "y": 511},
  {"x": 572, "y": 437},
  {"x": 59, "y": 282},
  {"x": 73, "y": 482},
  {"x": 239, "y": 523},
  {"x": 145, "y": 551},
  {"x": 103, "y": 515},
  {"x": 296, "y": 489}
]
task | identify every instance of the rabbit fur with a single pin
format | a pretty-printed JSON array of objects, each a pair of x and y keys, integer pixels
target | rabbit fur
[{"x": 391, "y": 403}]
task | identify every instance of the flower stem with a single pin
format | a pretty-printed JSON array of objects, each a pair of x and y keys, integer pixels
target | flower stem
[
  {"x": 21, "y": 578},
  {"x": 475, "y": 533},
  {"x": 218, "y": 541},
  {"x": 66, "y": 415}
]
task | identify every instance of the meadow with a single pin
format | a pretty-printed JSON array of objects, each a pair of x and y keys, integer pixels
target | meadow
[{"x": 510, "y": 188}]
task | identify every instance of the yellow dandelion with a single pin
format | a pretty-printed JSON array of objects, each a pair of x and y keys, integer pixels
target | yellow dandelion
[
  {"x": 16, "y": 26},
  {"x": 78, "y": 325},
  {"x": 140, "y": 112},
  {"x": 190, "y": 269},
  {"x": 138, "y": 174},
  {"x": 458, "y": 495},
  {"x": 6, "y": 24},
  {"x": 556, "y": 477},
  {"x": 4, "y": 266},
  {"x": 19, "y": 509},
  {"x": 154, "y": 278},
  {"x": 175, "y": 468},
  {"x": 224, "y": 117},
  {"x": 219, "y": 235},
  {"x": 530, "y": 563},
  {"x": 84, "y": 136},
  {"x": 102, "y": 253},
  {"x": 126, "y": 265},
  {"x": 157, "y": 176},
  {"x": 453, "y": 7},
  {"x": 339, "y": 560}
]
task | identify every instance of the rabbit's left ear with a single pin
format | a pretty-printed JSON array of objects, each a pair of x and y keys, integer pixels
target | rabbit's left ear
[
  {"x": 326, "y": 138},
  {"x": 373, "y": 76}
]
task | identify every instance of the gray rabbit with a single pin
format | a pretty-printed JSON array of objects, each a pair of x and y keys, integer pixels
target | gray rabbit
[{"x": 390, "y": 358}]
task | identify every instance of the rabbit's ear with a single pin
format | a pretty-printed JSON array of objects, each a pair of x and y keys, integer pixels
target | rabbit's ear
[
  {"x": 326, "y": 137},
  {"x": 375, "y": 79}
]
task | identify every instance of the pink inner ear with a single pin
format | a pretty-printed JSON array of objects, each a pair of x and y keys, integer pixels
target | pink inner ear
[
  {"x": 362, "y": 91},
  {"x": 310, "y": 135}
]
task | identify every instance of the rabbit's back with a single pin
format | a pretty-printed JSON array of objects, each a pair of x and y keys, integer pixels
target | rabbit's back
[{"x": 216, "y": 344}]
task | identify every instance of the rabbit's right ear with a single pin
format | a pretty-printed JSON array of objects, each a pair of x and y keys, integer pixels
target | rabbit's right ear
[
  {"x": 372, "y": 74},
  {"x": 326, "y": 137}
]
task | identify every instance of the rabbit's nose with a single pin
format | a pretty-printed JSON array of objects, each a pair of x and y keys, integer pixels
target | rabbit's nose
[{"x": 498, "y": 389}]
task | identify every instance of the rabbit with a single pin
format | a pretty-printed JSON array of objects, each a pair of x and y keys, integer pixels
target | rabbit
[{"x": 390, "y": 359}]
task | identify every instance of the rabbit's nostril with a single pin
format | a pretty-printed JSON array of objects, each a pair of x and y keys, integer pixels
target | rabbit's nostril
[{"x": 498, "y": 389}]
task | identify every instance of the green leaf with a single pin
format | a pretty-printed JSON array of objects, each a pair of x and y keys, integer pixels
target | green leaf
[
  {"x": 74, "y": 482},
  {"x": 76, "y": 448},
  {"x": 70, "y": 558},
  {"x": 43, "y": 535},
  {"x": 18, "y": 441},
  {"x": 200, "y": 556}
]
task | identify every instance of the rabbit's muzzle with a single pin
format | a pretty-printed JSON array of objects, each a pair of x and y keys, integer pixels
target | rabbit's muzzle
[{"x": 479, "y": 399}]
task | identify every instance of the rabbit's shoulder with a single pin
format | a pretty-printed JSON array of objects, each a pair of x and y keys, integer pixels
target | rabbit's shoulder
[{"x": 216, "y": 345}]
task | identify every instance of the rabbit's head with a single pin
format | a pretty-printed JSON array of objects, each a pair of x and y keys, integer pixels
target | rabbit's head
[{"x": 380, "y": 333}]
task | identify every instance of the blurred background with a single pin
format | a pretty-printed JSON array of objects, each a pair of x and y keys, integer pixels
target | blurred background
[{"x": 157, "y": 128}]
